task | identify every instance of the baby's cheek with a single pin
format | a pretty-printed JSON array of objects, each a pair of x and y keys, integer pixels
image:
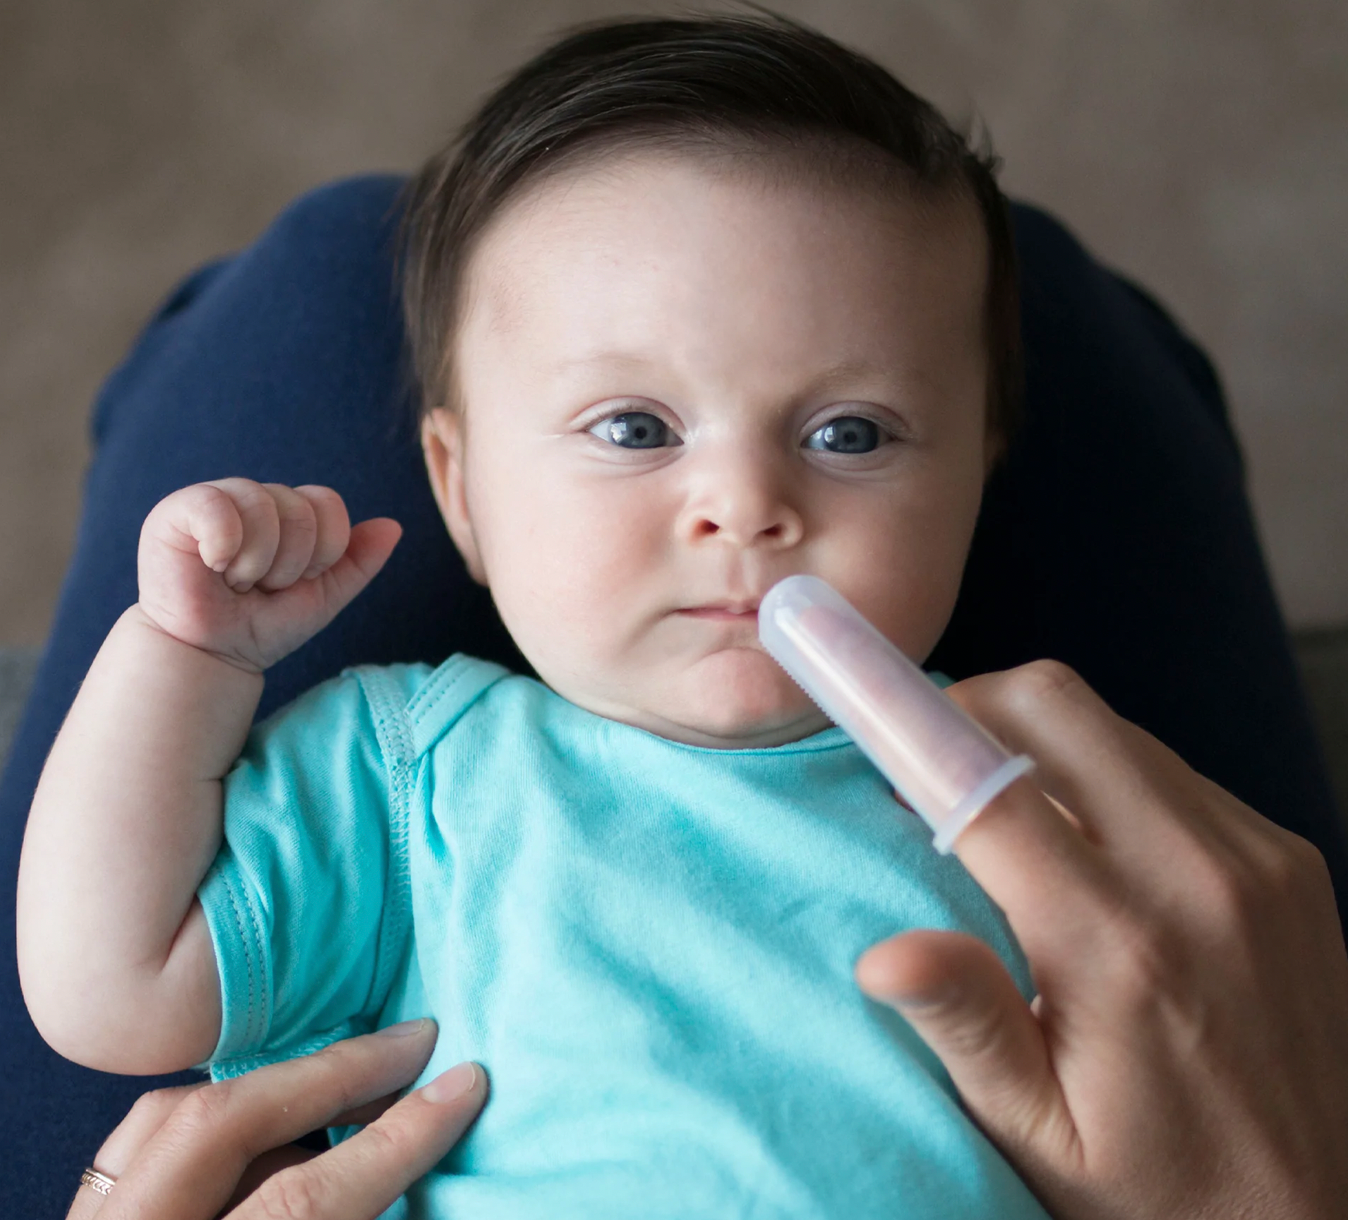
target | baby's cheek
[
  {"x": 906, "y": 583},
  {"x": 563, "y": 598}
]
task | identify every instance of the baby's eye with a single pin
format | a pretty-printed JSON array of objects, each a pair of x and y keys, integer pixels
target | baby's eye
[
  {"x": 635, "y": 430},
  {"x": 846, "y": 434}
]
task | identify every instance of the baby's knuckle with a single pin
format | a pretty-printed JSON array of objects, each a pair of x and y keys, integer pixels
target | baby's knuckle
[
  {"x": 216, "y": 504},
  {"x": 298, "y": 516},
  {"x": 188, "y": 499},
  {"x": 235, "y": 486},
  {"x": 318, "y": 493},
  {"x": 250, "y": 497},
  {"x": 206, "y": 492}
]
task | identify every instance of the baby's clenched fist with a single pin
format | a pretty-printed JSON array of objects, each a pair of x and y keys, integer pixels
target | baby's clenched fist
[{"x": 249, "y": 571}]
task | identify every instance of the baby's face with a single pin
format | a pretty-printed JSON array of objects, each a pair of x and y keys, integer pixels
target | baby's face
[{"x": 681, "y": 384}]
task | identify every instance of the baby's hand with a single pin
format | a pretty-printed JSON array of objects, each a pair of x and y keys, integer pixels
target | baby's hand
[{"x": 249, "y": 571}]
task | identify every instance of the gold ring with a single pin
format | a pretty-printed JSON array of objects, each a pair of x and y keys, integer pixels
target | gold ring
[{"x": 97, "y": 1181}]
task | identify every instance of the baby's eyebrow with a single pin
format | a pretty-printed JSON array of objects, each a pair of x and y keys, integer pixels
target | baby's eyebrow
[
  {"x": 607, "y": 357},
  {"x": 838, "y": 372}
]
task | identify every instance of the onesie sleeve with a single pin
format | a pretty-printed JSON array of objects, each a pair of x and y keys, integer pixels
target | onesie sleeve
[{"x": 307, "y": 899}]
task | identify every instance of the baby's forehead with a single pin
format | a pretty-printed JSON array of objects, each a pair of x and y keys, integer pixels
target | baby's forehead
[
  {"x": 680, "y": 224},
  {"x": 681, "y": 283}
]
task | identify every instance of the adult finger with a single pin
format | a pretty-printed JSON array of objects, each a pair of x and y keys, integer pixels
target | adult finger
[
  {"x": 1029, "y": 858},
  {"x": 123, "y": 1145},
  {"x": 298, "y": 527},
  {"x": 1110, "y": 773},
  {"x": 191, "y": 1165},
  {"x": 268, "y": 1164},
  {"x": 142, "y": 1121},
  {"x": 293, "y": 1154},
  {"x": 1042, "y": 871},
  {"x": 86, "y": 1204},
  {"x": 334, "y": 527},
  {"x": 956, "y": 993},
  {"x": 363, "y": 1176},
  {"x": 1160, "y": 826},
  {"x": 261, "y": 532}
]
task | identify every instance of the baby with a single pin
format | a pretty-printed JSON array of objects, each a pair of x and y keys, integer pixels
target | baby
[{"x": 695, "y": 305}]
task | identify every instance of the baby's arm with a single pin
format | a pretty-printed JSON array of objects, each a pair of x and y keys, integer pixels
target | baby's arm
[{"x": 114, "y": 955}]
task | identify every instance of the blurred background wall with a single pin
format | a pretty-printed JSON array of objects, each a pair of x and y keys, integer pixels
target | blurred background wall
[{"x": 1201, "y": 147}]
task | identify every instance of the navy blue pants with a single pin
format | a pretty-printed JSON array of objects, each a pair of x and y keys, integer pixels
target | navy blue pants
[{"x": 1117, "y": 538}]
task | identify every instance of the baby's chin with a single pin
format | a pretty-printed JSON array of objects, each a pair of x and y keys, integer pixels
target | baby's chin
[{"x": 734, "y": 699}]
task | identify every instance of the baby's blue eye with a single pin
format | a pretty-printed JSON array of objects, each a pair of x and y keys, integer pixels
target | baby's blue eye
[
  {"x": 846, "y": 434},
  {"x": 635, "y": 430}
]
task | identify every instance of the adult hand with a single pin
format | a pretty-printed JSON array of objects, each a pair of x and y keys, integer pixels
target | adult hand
[
  {"x": 1186, "y": 1055},
  {"x": 199, "y": 1151}
]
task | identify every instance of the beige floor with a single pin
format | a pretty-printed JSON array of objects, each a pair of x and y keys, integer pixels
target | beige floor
[{"x": 1201, "y": 147}]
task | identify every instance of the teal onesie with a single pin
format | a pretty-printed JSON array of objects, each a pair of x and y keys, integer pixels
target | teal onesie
[{"x": 648, "y": 946}]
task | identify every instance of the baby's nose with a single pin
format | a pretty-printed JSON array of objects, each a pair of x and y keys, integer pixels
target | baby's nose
[
  {"x": 744, "y": 513},
  {"x": 780, "y": 533}
]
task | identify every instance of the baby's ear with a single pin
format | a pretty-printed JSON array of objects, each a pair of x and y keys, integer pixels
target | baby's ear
[{"x": 442, "y": 441}]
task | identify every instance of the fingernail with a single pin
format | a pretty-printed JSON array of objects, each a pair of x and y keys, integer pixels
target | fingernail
[
  {"x": 403, "y": 1028},
  {"x": 451, "y": 1085}
]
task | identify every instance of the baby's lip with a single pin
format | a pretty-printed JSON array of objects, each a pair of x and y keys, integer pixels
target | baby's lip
[{"x": 738, "y": 607}]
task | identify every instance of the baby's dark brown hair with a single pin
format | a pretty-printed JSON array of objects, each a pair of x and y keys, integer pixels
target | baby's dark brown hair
[{"x": 729, "y": 85}]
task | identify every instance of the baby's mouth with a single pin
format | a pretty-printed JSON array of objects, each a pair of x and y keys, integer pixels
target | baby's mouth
[{"x": 723, "y": 612}]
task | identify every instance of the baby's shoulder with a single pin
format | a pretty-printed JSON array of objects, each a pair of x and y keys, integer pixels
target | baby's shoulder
[
  {"x": 369, "y": 725},
  {"x": 414, "y": 705}
]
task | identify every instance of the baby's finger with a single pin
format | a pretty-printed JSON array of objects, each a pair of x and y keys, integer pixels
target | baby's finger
[
  {"x": 201, "y": 520},
  {"x": 261, "y": 532},
  {"x": 361, "y": 1177},
  {"x": 298, "y": 531},
  {"x": 214, "y": 523},
  {"x": 334, "y": 528},
  {"x": 371, "y": 544}
]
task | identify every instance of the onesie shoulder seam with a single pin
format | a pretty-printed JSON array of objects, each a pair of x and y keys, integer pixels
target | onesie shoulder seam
[
  {"x": 387, "y": 704},
  {"x": 446, "y": 695},
  {"x": 251, "y": 938}
]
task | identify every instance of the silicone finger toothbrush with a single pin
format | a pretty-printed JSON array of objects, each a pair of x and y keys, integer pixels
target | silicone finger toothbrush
[{"x": 943, "y": 764}]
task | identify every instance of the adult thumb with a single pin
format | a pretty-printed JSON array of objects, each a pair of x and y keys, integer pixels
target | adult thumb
[{"x": 956, "y": 993}]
